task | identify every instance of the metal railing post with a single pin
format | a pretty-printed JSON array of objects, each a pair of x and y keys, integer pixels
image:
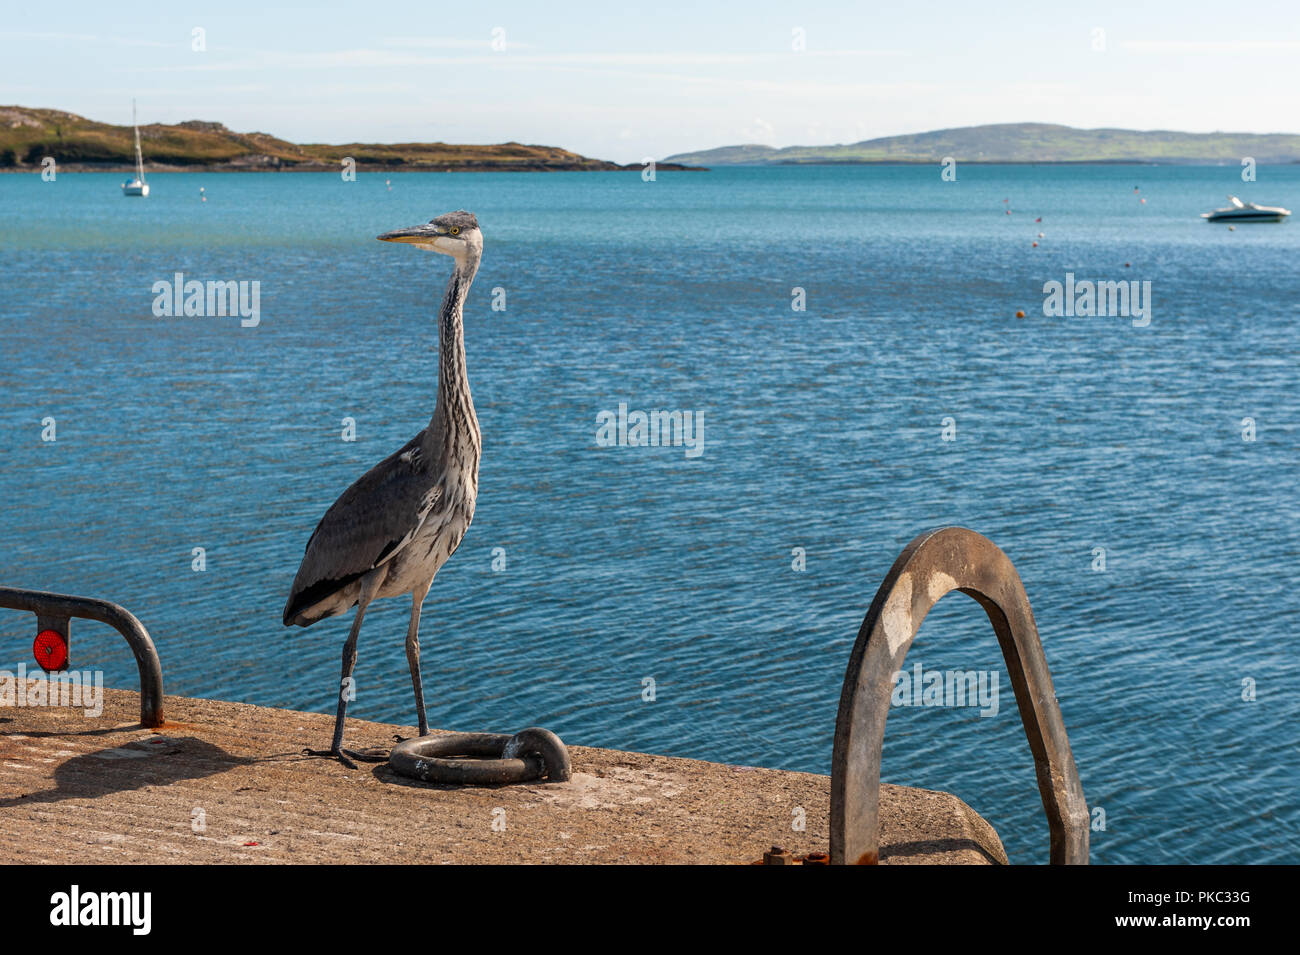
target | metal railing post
[
  {"x": 54, "y": 608},
  {"x": 932, "y": 565}
]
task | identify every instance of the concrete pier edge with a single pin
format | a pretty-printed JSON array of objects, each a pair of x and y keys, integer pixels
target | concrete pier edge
[{"x": 227, "y": 783}]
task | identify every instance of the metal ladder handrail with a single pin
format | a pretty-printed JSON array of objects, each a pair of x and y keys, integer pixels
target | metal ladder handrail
[
  {"x": 936, "y": 563},
  {"x": 55, "y": 609}
]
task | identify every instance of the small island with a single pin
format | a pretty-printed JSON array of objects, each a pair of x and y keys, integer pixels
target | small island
[{"x": 78, "y": 144}]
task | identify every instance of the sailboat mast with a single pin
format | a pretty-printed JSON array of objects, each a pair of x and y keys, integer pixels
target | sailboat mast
[{"x": 139, "y": 159}]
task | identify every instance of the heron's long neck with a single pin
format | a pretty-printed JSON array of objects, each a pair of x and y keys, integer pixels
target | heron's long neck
[{"x": 453, "y": 418}]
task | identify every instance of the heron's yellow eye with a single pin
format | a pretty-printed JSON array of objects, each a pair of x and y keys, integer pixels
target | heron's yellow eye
[{"x": 455, "y": 230}]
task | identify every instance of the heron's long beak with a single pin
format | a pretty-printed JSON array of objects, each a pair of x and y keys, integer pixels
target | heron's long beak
[{"x": 416, "y": 234}]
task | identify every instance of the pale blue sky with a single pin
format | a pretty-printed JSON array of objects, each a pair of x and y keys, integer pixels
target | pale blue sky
[{"x": 626, "y": 80}]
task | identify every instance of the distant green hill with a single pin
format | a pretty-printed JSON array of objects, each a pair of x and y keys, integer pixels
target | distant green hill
[
  {"x": 28, "y": 135},
  {"x": 1021, "y": 142}
]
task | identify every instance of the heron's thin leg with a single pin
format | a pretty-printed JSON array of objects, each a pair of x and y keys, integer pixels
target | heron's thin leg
[
  {"x": 369, "y": 585},
  {"x": 413, "y": 656}
]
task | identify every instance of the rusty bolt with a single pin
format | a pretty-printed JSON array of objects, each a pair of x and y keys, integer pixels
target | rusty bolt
[
  {"x": 817, "y": 858},
  {"x": 778, "y": 856}
]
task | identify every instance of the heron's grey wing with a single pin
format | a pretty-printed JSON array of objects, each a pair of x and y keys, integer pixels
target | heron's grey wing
[{"x": 370, "y": 522}]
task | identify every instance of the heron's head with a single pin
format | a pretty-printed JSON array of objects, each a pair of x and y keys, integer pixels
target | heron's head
[{"x": 452, "y": 233}]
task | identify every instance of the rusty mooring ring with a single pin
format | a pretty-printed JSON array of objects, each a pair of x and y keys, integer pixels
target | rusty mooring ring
[{"x": 483, "y": 759}]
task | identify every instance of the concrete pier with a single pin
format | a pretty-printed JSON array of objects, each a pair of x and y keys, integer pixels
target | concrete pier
[{"x": 226, "y": 783}]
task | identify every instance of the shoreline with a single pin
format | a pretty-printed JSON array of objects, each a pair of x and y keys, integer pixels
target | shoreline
[
  {"x": 360, "y": 167},
  {"x": 611, "y": 167}
]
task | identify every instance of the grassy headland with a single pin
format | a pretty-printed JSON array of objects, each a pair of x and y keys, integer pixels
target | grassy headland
[
  {"x": 28, "y": 135},
  {"x": 1021, "y": 143}
]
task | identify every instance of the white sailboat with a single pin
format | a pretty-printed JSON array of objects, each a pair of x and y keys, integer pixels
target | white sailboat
[{"x": 137, "y": 186}]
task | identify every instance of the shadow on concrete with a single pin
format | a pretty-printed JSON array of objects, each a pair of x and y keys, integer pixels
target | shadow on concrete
[
  {"x": 930, "y": 847},
  {"x": 130, "y": 766},
  {"x": 386, "y": 774},
  {"x": 102, "y": 731}
]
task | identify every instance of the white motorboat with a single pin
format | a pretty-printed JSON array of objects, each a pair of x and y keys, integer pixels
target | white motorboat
[
  {"x": 137, "y": 186},
  {"x": 1246, "y": 212}
]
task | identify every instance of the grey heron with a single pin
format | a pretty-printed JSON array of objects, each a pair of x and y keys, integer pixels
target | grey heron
[{"x": 390, "y": 532}]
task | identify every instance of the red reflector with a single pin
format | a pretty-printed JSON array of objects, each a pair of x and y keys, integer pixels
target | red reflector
[{"x": 50, "y": 650}]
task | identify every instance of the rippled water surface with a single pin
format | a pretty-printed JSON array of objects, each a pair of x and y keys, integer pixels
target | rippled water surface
[{"x": 822, "y": 431}]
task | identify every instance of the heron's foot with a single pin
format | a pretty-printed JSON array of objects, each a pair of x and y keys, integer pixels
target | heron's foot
[
  {"x": 399, "y": 738},
  {"x": 376, "y": 755},
  {"x": 338, "y": 754}
]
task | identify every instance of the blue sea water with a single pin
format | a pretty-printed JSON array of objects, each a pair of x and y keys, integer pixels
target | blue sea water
[{"x": 822, "y": 431}]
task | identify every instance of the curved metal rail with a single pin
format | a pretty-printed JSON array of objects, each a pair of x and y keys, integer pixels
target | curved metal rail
[
  {"x": 53, "y": 611},
  {"x": 483, "y": 759},
  {"x": 932, "y": 565}
]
